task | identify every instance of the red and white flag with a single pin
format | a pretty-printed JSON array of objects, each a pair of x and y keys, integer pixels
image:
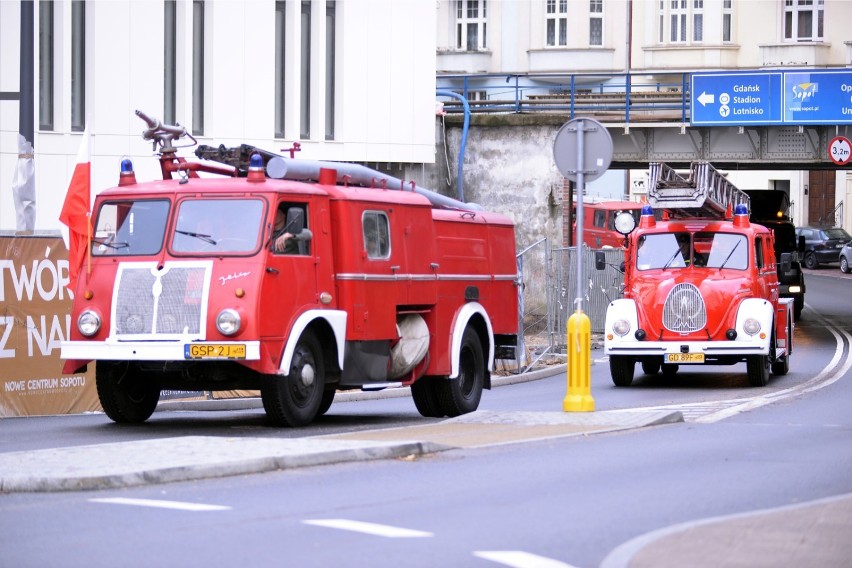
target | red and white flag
[{"x": 75, "y": 212}]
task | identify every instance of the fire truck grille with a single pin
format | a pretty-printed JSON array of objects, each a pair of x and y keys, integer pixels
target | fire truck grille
[
  {"x": 166, "y": 303},
  {"x": 684, "y": 310}
]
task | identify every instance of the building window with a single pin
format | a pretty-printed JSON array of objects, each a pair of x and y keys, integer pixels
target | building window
[
  {"x": 170, "y": 61},
  {"x": 557, "y": 23},
  {"x": 471, "y": 28},
  {"x": 280, "y": 46},
  {"x": 305, "y": 73},
  {"x": 45, "y": 65},
  {"x": 330, "y": 22},
  {"x": 804, "y": 20},
  {"x": 78, "y": 66},
  {"x": 596, "y": 23},
  {"x": 727, "y": 20},
  {"x": 198, "y": 67},
  {"x": 677, "y": 17},
  {"x": 698, "y": 21}
]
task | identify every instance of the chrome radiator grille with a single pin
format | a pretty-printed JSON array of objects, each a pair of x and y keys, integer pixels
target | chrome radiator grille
[
  {"x": 684, "y": 310},
  {"x": 160, "y": 304}
]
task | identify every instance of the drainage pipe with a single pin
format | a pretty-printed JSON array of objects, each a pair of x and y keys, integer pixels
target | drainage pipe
[{"x": 460, "y": 173}]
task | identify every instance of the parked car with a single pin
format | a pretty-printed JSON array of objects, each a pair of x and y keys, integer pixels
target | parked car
[
  {"x": 846, "y": 258},
  {"x": 822, "y": 244}
]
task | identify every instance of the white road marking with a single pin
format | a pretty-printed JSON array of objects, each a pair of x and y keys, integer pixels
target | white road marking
[
  {"x": 368, "y": 528},
  {"x": 161, "y": 504},
  {"x": 520, "y": 559}
]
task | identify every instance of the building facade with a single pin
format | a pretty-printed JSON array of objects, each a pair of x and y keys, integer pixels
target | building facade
[
  {"x": 488, "y": 48},
  {"x": 328, "y": 74}
]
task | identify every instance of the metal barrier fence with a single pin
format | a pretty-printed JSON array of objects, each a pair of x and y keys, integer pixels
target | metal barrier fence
[{"x": 547, "y": 297}]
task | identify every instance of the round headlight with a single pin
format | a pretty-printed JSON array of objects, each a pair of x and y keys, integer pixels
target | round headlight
[
  {"x": 621, "y": 327},
  {"x": 751, "y": 326},
  {"x": 625, "y": 222},
  {"x": 89, "y": 323},
  {"x": 228, "y": 322}
]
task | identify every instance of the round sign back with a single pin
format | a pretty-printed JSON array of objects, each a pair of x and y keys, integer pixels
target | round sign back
[{"x": 597, "y": 149}]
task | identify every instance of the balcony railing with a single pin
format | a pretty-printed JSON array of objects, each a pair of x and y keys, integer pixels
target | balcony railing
[{"x": 614, "y": 97}]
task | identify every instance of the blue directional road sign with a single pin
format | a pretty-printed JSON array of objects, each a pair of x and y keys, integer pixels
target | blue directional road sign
[
  {"x": 731, "y": 99},
  {"x": 818, "y": 97}
]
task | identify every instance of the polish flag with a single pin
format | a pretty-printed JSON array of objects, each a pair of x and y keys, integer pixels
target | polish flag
[{"x": 75, "y": 212}]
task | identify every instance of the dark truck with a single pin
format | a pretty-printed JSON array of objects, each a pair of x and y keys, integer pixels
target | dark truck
[{"x": 771, "y": 208}]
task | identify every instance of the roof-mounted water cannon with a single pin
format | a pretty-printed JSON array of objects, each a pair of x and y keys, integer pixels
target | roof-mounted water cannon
[{"x": 162, "y": 135}]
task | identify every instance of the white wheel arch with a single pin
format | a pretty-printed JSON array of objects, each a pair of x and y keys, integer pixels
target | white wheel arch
[
  {"x": 460, "y": 322},
  {"x": 336, "y": 319}
]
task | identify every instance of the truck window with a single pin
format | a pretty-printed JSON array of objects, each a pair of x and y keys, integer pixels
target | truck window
[
  {"x": 290, "y": 233},
  {"x": 664, "y": 250},
  {"x": 217, "y": 226},
  {"x": 129, "y": 228},
  {"x": 376, "y": 234},
  {"x": 600, "y": 219},
  {"x": 728, "y": 251}
]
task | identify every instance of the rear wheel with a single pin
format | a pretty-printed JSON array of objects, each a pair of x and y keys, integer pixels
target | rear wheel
[
  {"x": 811, "y": 261},
  {"x": 125, "y": 395},
  {"x": 425, "y": 394},
  {"x": 651, "y": 367},
  {"x": 757, "y": 367},
  {"x": 621, "y": 368},
  {"x": 462, "y": 394},
  {"x": 295, "y": 399}
]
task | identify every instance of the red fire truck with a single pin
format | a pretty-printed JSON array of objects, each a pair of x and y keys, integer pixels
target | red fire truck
[
  {"x": 701, "y": 286},
  {"x": 292, "y": 277}
]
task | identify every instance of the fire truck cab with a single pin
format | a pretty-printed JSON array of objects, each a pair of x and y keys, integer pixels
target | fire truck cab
[
  {"x": 701, "y": 286},
  {"x": 291, "y": 277}
]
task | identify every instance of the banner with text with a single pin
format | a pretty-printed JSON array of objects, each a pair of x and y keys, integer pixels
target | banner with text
[{"x": 35, "y": 316}]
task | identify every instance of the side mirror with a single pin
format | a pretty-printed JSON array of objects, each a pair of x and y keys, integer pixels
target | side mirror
[
  {"x": 600, "y": 260},
  {"x": 295, "y": 220},
  {"x": 786, "y": 261}
]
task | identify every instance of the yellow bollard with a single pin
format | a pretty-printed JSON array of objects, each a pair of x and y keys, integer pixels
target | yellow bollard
[{"x": 579, "y": 395}]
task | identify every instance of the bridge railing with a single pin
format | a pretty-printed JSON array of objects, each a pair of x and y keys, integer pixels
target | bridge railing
[{"x": 623, "y": 97}]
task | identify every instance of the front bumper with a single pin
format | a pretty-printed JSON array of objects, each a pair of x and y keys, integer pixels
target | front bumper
[
  {"x": 710, "y": 349},
  {"x": 146, "y": 350}
]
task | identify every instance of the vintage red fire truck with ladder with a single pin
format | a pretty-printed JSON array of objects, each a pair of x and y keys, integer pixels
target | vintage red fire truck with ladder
[
  {"x": 700, "y": 285},
  {"x": 296, "y": 278}
]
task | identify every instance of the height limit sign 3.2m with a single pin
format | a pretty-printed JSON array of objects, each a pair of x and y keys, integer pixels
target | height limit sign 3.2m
[{"x": 840, "y": 150}]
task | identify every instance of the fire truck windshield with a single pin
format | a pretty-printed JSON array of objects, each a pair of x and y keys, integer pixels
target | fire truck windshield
[
  {"x": 217, "y": 226},
  {"x": 681, "y": 250},
  {"x": 130, "y": 228}
]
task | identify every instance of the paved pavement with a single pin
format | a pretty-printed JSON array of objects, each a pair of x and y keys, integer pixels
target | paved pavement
[{"x": 814, "y": 534}]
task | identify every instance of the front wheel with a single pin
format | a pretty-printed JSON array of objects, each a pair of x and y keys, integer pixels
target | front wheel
[
  {"x": 125, "y": 394},
  {"x": 757, "y": 368},
  {"x": 295, "y": 399},
  {"x": 844, "y": 265},
  {"x": 621, "y": 368},
  {"x": 462, "y": 394}
]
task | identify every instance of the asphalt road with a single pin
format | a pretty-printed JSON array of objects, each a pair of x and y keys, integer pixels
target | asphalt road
[{"x": 751, "y": 477}]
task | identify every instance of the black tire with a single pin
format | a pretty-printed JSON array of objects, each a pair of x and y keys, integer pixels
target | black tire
[
  {"x": 798, "y": 306},
  {"x": 651, "y": 367},
  {"x": 295, "y": 399},
  {"x": 327, "y": 399},
  {"x": 621, "y": 368},
  {"x": 811, "y": 261},
  {"x": 757, "y": 367},
  {"x": 782, "y": 366},
  {"x": 669, "y": 371},
  {"x": 125, "y": 394},
  {"x": 844, "y": 265},
  {"x": 425, "y": 394},
  {"x": 461, "y": 395}
]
